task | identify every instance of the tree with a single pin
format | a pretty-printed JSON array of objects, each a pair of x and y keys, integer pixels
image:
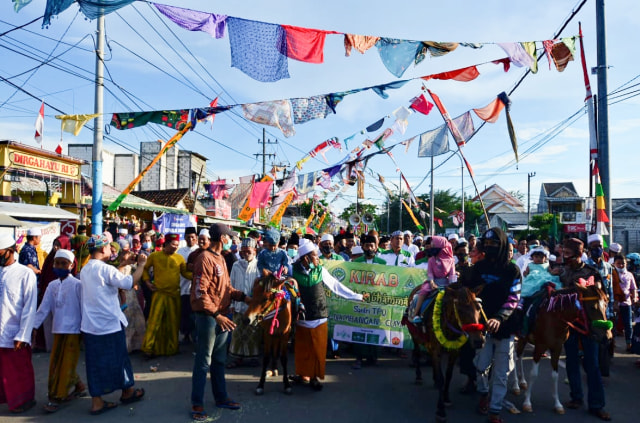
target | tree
[
  {"x": 519, "y": 195},
  {"x": 361, "y": 210},
  {"x": 541, "y": 225}
]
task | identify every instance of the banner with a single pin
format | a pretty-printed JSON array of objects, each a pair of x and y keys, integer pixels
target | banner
[
  {"x": 377, "y": 320},
  {"x": 247, "y": 211},
  {"x": 275, "y": 220},
  {"x": 170, "y": 223}
]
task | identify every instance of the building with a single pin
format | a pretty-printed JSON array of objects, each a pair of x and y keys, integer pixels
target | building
[
  {"x": 626, "y": 223},
  {"x": 512, "y": 222},
  {"x": 497, "y": 200},
  {"x": 559, "y": 197}
]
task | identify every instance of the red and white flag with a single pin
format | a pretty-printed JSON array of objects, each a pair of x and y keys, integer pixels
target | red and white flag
[
  {"x": 59, "y": 147},
  {"x": 40, "y": 125}
]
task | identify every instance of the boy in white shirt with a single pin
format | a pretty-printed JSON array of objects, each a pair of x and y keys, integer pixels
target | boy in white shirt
[{"x": 63, "y": 299}]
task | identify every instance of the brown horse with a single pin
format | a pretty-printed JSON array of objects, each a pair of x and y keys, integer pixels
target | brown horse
[
  {"x": 271, "y": 307},
  {"x": 575, "y": 307},
  {"x": 452, "y": 319}
]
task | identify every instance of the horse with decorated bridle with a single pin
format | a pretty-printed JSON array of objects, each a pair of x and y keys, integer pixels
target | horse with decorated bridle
[
  {"x": 452, "y": 318},
  {"x": 274, "y": 303},
  {"x": 581, "y": 307}
]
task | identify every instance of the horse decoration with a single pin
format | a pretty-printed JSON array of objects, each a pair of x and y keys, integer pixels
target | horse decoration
[
  {"x": 451, "y": 319},
  {"x": 581, "y": 307},
  {"x": 274, "y": 302}
]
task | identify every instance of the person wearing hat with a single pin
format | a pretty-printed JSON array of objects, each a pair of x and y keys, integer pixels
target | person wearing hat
[
  {"x": 204, "y": 241},
  {"x": 575, "y": 269},
  {"x": 29, "y": 253},
  {"x": 614, "y": 250},
  {"x": 408, "y": 244},
  {"x": 271, "y": 258},
  {"x": 163, "y": 324},
  {"x": 370, "y": 249},
  {"x": 136, "y": 244},
  {"x": 62, "y": 300},
  {"x": 211, "y": 296},
  {"x": 312, "y": 330},
  {"x": 245, "y": 339},
  {"x": 537, "y": 273},
  {"x": 396, "y": 256},
  {"x": 498, "y": 281},
  {"x": 597, "y": 259},
  {"x": 186, "y": 321},
  {"x": 102, "y": 325},
  {"x": 624, "y": 293},
  {"x": 326, "y": 249},
  {"x": 18, "y": 297}
]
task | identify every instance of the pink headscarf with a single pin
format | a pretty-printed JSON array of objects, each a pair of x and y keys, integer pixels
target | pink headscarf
[{"x": 441, "y": 265}]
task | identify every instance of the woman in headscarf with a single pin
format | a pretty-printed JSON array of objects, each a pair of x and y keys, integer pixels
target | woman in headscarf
[
  {"x": 441, "y": 271},
  {"x": 44, "y": 337}
]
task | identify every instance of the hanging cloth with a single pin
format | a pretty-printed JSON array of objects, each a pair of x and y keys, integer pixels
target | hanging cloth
[
  {"x": 397, "y": 55},
  {"x": 491, "y": 111},
  {"x": 276, "y": 113},
  {"x": 362, "y": 43},
  {"x": 260, "y": 194},
  {"x": 304, "y": 44},
  {"x": 74, "y": 123},
  {"x": 194, "y": 20},
  {"x": 517, "y": 54},
  {"x": 421, "y": 104},
  {"x": 463, "y": 75},
  {"x": 434, "y": 142},
  {"x": 310, "y": 108},
  {"x": 530, "y": 48},
  {"x": 562, "y": 53},
  {"x": 176, "y": 119}
]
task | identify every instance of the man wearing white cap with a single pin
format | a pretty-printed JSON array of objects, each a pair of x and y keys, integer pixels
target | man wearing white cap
[
  {"x": 614, "y": 249},
  {"x": 396, "y": 256},
  {"x": 18, "y": 297},
  {"x": 408, "y": 245},
  {"x": 29, "y": 253},
  {"x": 453, "y": 240},
  {"x": 62, "y": 299},
  {"x": 186, "y": 321},
  {"x": 326, "y": 249}
]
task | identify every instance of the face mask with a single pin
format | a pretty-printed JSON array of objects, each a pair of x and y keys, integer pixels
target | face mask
[
  {"x": 226, "y": 246},
  {"x": 326, "y": 250},
  {"x": 113, "y": 257},
  {"x": 596, "y": 252},
  {"x": 312, "y": 266},
  {"x": 292, "y": 252},
  {"x": 462, "y": 257},
  {"x": 491, "y": 251},
  {"x": 146, "y": 245},
  {"x": 3, "y": 260},
  {"x": 369, "y": 254},
  {"x": 61, "y": 273},
  {"x": 621, "y": 269}
]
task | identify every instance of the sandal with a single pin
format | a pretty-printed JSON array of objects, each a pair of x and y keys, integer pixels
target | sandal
[
  {"x": 77, "y": 393},
  {"x": 106, "y": 406},
  {"x": 198, "y": 414},
  {"x": 136, "y": 396},
  {"x": 483, "y": 405},
  {"x": 316, "y": 385},
  {"x": 228, "y": 404},
  {"x": 298, "y": 379},
  {"x": 24, "y": 407},
  {"x": 51, "y": 407}
]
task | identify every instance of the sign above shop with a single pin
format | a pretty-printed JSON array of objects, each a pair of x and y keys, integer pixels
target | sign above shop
[{"x": 21, "y": 159}]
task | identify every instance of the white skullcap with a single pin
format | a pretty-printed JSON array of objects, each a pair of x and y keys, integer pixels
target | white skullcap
[
  {"x": 552, "y": 257},
  {"x": 326, "y": 237},
  {"x": 205, "y": 232},
  {"x": 305, "y": 247},
  {"x": 123, "y": 231},
  {"x": 594, "y": 238},
  {"x": 357, "y": 250},
  {"x": 452, "y": 237},
  {"x": 418, "y": 238},
  {"x": 6, "y": 241},
  {"x": 65, "y": 254},
  {"x": 538, "y": 249},
  {"x": 34, "y": 232},
  {"x": 407, "y": 233},
  {"x": 615, "y": 247}
]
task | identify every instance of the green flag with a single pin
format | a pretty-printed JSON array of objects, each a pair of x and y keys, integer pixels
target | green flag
[
  {"x": 553, "y": 230},
  {"x": 476, "y": 231}
]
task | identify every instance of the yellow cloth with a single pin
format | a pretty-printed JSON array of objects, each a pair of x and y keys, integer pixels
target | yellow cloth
[
  {"x": 74, "y": 123},
  {"x": 41, "y": 256},
  {"x": 163, "y": 325},
  {"x": 62, "y": 365}
]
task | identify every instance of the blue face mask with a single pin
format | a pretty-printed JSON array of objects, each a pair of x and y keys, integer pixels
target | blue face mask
[
  {"x": 312, "y": 266},
  {"x": 596, "y": 252},
  {"x": 292, "y": 252},
  {"x": 146, "y": 245},
  {"x": 61, "y": 273}
]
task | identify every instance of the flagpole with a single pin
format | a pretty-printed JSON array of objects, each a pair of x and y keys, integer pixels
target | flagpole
[
  {"x": 431, "y": 202},
  {"x": 96, "y": 200},
  {"x": 400, "y": 202}
]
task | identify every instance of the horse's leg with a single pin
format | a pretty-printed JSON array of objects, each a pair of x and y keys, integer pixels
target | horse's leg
[
  {"x": 438, "y": 377},
  {"x": 265, "y": 362},
  {"x": 453, "y": 356},
  {"x": 416, "y": 360},
  {"x": 537, "y": 355},
  {"x": 555, "y": 357},
  {"x": 284, "y": 340},
  {"x": 520, "y": 370}
]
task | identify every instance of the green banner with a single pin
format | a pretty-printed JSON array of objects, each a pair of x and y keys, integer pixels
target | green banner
[{"x": 377, "y": 320}]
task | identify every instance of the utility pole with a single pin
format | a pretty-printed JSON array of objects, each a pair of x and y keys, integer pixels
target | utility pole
[
  {"x": 96, "y": 158},
  {"x": 603, "y": 113},
  {"x": 264, "y": 154},
  {"x": 529, "y": 176}
]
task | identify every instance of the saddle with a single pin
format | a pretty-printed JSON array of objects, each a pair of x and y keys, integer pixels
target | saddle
[
  {"x": 531, "y": 305},
  {"x": 428, "y": 301}
]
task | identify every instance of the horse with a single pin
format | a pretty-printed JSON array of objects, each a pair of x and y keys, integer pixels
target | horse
[
  {"x": 449, "y": 321},
  {"x": 579, "y": 307},
  {"x": 272, "y": 306}
]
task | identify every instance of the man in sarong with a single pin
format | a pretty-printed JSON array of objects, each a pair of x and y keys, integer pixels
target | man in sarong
[
  {"x": 163, "y": 325},
  {"x": 18, "y": 296},
  {"x": 103, "y": 323}
]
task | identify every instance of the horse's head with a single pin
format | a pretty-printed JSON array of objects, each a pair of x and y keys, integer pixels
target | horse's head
[
  {"x": 263, "y": 296},
  {"x": 595, "y": 301},
  {"x": 469, "y": 314}
]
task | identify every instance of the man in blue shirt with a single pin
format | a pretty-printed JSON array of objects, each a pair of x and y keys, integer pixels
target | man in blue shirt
[{"x": 29, "y": 254}]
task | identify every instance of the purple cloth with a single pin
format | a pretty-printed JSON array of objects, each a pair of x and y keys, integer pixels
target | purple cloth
[
  {"x": 194, "y": 20},
  {"x": 254, "y": 49},
  {"x": 517, "y": 54}
]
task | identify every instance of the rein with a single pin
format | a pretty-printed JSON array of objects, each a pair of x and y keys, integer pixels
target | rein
[
  {"x": 582, "y": 318},
  {"x": 285, "y": 293}
]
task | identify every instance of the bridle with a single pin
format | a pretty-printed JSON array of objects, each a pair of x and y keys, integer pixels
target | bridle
[{"x": 275, "y": 305}]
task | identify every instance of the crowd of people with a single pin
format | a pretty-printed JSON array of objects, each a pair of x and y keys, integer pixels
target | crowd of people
[{"x": 118, "y": 293}]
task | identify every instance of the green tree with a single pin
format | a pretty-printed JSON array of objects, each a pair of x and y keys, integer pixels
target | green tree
[{"x": 541, "y": 225}]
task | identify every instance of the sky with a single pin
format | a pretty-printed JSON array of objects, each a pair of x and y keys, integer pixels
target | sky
[{"x": 192, "y": 68}]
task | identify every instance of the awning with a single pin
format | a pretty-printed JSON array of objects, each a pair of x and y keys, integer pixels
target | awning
[
  {"x": 9, "y": 221},
  {"x": 36, "y": 212},
  {"x": 149, "y": 206}
]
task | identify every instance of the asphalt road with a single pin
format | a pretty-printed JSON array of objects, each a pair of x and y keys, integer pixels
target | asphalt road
[{"x": 384, "y": 393}]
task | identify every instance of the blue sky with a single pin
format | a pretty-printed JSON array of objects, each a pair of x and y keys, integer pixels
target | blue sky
[{"x": 541, "y": 102}]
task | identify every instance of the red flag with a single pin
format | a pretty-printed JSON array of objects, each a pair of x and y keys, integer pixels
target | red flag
[
  {"x": 491, "y": 111},
  {"x": 421, "y": 104},
  {"x": 260, "y": 194},
  {"x": 40, "y": 125},
  {"x": 59, "y": 147},
  {"x": 463, "y": 75},
  {"x": 445, "y": 115}
]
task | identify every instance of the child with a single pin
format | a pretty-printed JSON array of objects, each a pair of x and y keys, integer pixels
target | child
[
  {"x": 624, "y": 294},
  {"x": 537, "y": 272},
  {"x": 441, "y": 271},
  {"x": 271, "y": 258},
  {"x": 62, "y": 299}
]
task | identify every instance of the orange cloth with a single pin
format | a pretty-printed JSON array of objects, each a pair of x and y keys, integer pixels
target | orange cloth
[
  {"x": 491, "y": 111},
  {"x": 311, "y": 350},
  {"x": 361, "y": 43}
]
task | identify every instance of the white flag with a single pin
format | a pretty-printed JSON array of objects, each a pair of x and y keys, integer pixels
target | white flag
[{"x": 40, "y": 124}]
